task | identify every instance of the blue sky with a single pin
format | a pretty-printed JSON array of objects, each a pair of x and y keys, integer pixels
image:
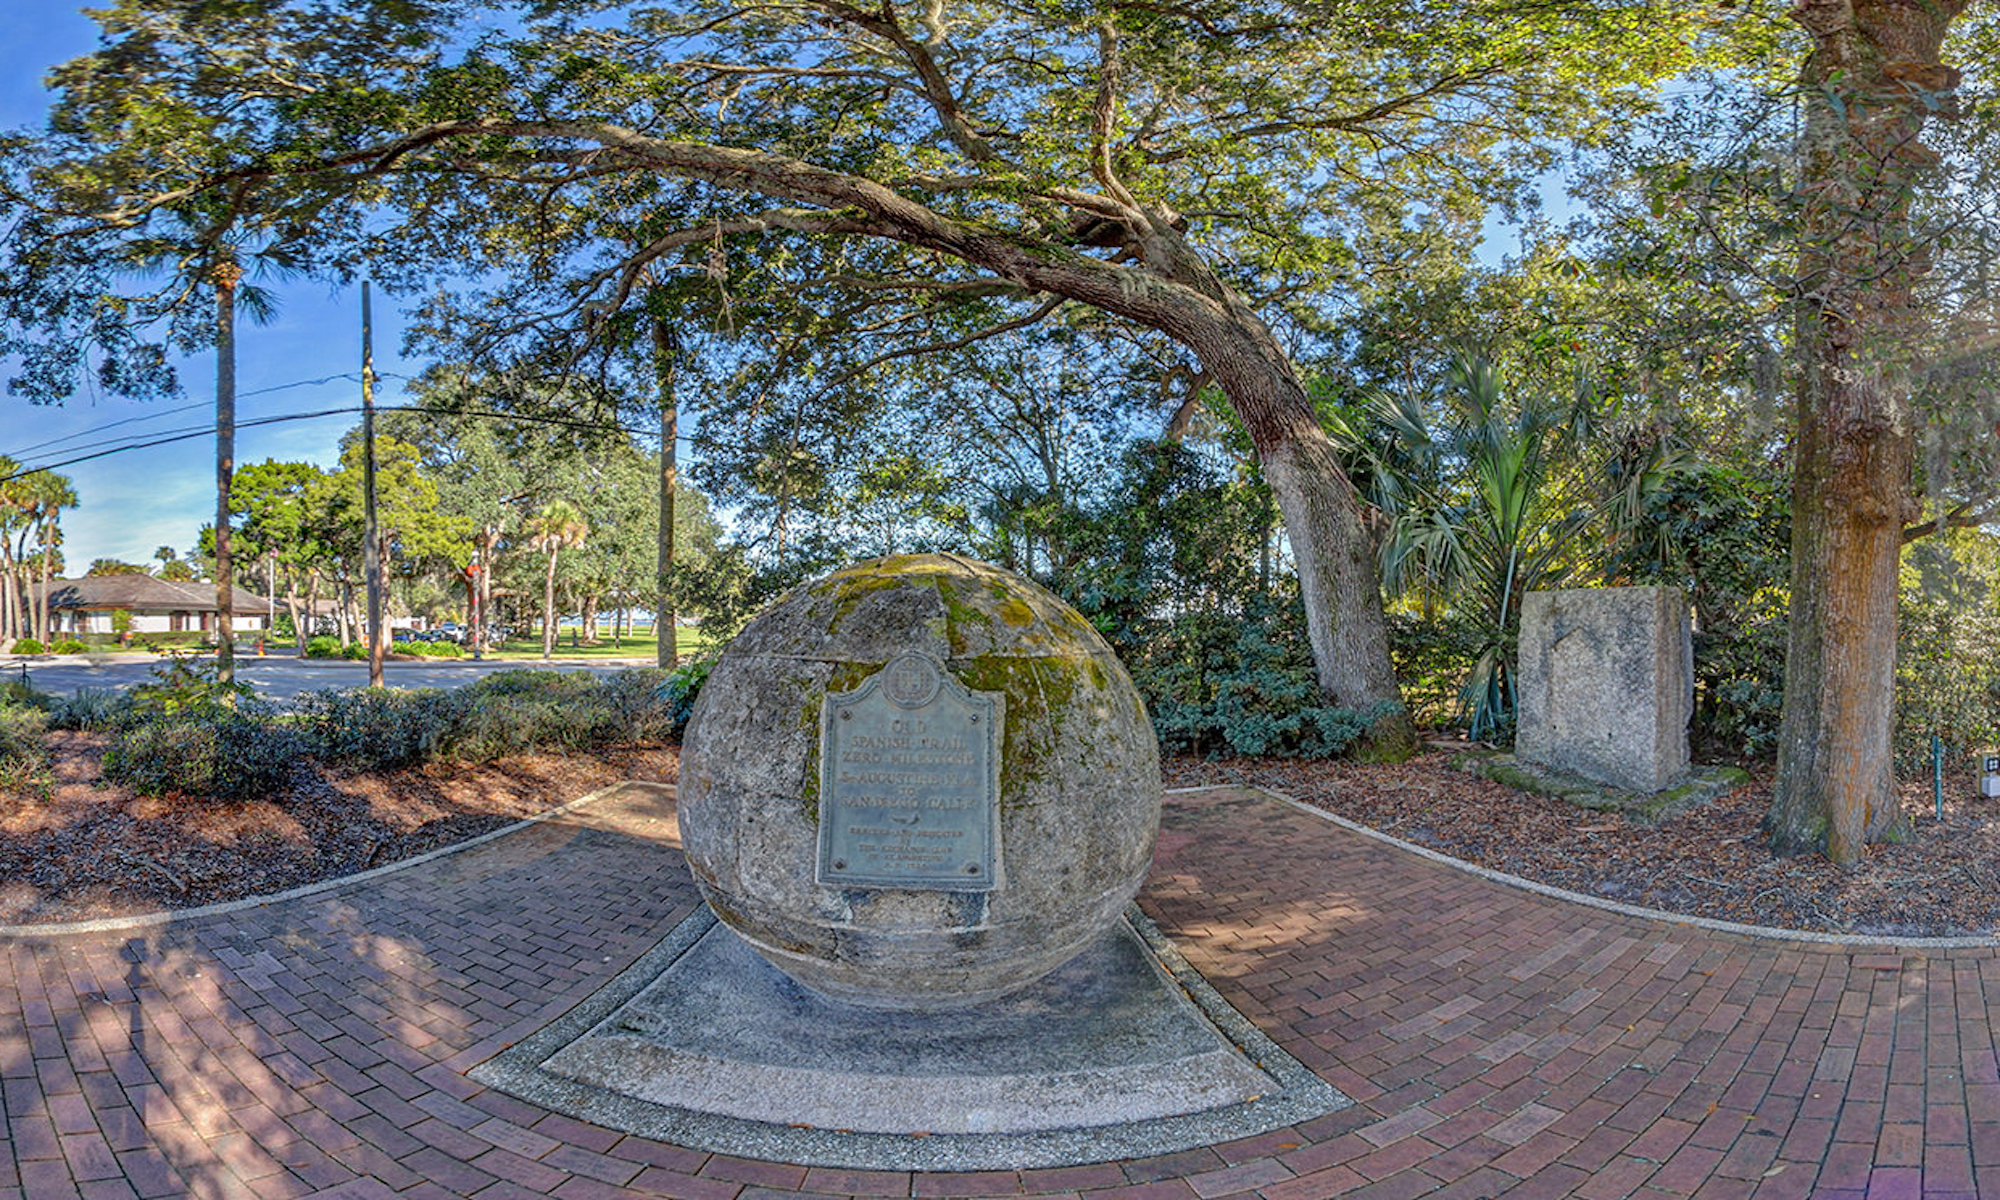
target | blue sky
[
  {"x": 135, "y": 501},
  {"x": 138, "y": 500}
]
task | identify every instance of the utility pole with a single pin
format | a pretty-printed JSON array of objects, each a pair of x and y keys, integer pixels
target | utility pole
[
  {"x": 370, "y": 551},
  {"x": 227, "y": 274}
]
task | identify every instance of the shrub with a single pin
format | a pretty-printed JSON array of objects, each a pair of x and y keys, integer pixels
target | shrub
[
  {"x": 521, "y": 681},
  {"x": 224, "y": 753},
  {"x": 323, "y": 647},
  {"x": 682, "y": 688},
  {"x": 18, "y": 690},
  {"x": 28, "y": 645},
  {"x": 183, "y": 687},
  {"x": 435, "y": 649},
  {"x": 1262, "y": 699},
  {"x": 522, "y": 712},
  {"x": 651, "y": 703},
  {"x": 375, "y": 728},
  {"x": 22, "y": 753},
  {"x": 355, "y": 651},
  {"x": 90, "y": 709},
  {"x": 70, "y": 646}
]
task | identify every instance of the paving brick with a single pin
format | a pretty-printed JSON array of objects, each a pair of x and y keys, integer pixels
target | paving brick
[{"x": 1496, "y": 1041}]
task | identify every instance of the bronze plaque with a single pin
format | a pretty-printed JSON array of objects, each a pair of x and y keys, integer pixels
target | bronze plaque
[{"x": 909, "y": 782}]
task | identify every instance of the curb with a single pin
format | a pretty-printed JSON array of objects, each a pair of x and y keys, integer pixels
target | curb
[
  {"x": 1712, "y": 924},
  {"x": 58, "y": 929}
]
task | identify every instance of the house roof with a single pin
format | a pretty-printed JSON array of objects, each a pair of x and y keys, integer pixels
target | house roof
[{"x": 143, "y": 593}]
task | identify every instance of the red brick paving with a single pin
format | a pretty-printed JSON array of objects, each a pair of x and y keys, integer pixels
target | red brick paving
[{"x": 1499, "y": 1043}]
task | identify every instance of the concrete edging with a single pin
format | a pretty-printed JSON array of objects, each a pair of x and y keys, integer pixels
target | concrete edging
[
  {"x": 57, "y": 929},
  {"x": 1768, "y": 932}
]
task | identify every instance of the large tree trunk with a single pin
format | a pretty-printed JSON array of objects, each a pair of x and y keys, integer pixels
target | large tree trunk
[
  {"x": 1338, "y": 579},
  {"x": 1871, "y": 79}
]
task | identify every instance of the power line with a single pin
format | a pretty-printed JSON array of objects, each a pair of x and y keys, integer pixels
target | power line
[
  {"x": 186, "y": 433},
  {"x": 24, "y": 451}
]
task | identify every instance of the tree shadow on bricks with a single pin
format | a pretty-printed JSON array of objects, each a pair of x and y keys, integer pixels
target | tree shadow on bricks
[{"x": 321, "y": 1043}]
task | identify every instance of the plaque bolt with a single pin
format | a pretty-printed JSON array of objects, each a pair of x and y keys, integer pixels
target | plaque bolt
[
  {"x": 972, "y": 868},
  {"x": 846, "y": 714},
  {"x": 975, "y": 718},
  {"x": 840, "y": 864}
]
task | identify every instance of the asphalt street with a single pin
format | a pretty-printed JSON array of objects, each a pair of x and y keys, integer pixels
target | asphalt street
[{"x": 279, "y": 678}]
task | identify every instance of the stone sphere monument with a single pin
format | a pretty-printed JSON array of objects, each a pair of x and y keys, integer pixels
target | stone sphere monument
[{"x": 919, "y": 783}]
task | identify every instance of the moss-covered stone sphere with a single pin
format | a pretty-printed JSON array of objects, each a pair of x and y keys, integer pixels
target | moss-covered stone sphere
[{"x": 1078, "y": 795}]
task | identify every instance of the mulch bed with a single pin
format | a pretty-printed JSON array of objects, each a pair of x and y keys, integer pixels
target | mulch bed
[
  {"x": 83, "y": 848},
  {"x": 1711, "y": 862}
]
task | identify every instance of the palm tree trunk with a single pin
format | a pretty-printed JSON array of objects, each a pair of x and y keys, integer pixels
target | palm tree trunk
[
  {"x": 664, "y": 347},
  {"x": 549, "y": 607},
  {"x": 42, "y": 601}
]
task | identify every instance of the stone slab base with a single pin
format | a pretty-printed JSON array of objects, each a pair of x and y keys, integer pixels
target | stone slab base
[
  {"x": 1698, "y": 787},
  {"x": 1124, "y": 1052}
]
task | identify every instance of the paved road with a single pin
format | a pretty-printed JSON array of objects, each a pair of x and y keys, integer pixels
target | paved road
[
  {"x": 1496, "y": 1042},
  {"x": 275, "y": 677}
]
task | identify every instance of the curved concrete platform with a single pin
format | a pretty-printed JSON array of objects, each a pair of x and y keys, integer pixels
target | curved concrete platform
[{"x": 1499, "y": 1042}]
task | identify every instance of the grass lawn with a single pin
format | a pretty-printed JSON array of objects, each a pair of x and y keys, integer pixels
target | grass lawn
[{"x": 689, "y": 642}]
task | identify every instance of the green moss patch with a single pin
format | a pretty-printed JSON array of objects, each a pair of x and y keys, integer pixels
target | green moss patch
[{"x": 1702, "y": 785}]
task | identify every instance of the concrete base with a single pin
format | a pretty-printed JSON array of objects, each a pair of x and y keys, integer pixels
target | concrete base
[{"x": 1123, "y": 1052}]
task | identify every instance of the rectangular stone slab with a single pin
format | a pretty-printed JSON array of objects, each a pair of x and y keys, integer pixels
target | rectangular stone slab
[{"x": 1606, "y": 684}]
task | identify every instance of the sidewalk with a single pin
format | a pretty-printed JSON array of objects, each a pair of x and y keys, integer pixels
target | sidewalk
[{"x": 1498, "y": 1042}]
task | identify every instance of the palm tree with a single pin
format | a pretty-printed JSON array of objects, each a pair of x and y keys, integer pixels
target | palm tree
[
  {"x": 1483, "y": 511},
  {"x": 555, "y": 525},
  {"x": 50, "y": 493},
  {"x": 15, "y": 505}
]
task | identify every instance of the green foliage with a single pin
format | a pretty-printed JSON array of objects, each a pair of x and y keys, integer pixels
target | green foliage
[
  {"x": 70, "y": 646},
  {"x": 684, "y": 688},
  {"x": 23, "y": 757},
  {"x": 190, "y": 688},
  {"x": 1481, "y": 510},
  {"x": 653, "y": 703},
  {"x": 189, "y": 731},
  {"x": 18, "y": 690},
  {"x": 1947, "y": 649},
  {"x": 376, "y": 728},
  {"x": 121, "y": 621},
  {"x": 323, "y": 646},
  {"x": 221, "y": 753},
  {"x": 528, "y": 712},
  {"x": 1724, "y": 536},
  {"x": 509, "y": 712},
  {"x": 1433, "y": 657},
  {"x": 1253, "y": 696},
  {"x": 432, "y": 649},
  {"x": 90, "y": 709},
  {"x": 27, "y": 645}
]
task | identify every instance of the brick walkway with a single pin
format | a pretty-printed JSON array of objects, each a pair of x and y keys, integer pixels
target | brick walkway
[{"x": 1499, "y": 1043}]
